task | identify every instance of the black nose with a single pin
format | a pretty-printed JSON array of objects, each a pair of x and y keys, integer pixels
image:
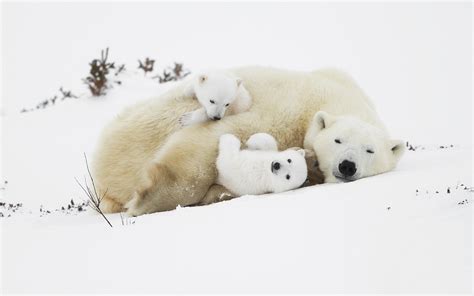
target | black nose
[
  {"x": 347, "y": 168},
  {"x": 216, "y": 118},
  {"x": 276, "y": 166}
]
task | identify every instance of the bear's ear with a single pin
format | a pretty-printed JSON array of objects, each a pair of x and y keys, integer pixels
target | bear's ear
[
  {"x": 397, "y": 147},
  {"x": 309, "y": 153},
  {"x": 321, "y": 120},
  {"x": 239, "y": 82},
  {"x": 202, "y": 78},
  {"x": 301, "y": 151}
]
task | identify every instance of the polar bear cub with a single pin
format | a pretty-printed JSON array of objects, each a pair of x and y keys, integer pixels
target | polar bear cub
[
  {"x": 217, "y": 92},
  {"x": 258, "y": 171}
]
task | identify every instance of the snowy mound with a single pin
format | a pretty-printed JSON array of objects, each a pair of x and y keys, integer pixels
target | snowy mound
[{"x": 405, "y": 231}]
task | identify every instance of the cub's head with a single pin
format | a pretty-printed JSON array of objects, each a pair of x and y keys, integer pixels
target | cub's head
[
  {"x": 216, "y": 92},
  {"x": 348, "y": 148},
  {"x": 288, "y": 170}
]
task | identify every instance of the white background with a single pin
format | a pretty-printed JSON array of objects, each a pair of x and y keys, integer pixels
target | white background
[
  {"x": 413, "y": 59},
  {"x": 399, "y": 232}
]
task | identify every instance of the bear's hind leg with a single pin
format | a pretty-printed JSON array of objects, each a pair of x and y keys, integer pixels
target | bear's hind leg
[
  {"x": 215, "y": 194},
  {"x": 108, "y": 205},
  {"x": 181, "y": 173}
]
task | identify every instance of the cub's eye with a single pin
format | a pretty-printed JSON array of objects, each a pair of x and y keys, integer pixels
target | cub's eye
[
  {"x": 288, "y": 177},
  {"x": 212, "y": 101},
  {"x": 227, "y": 105},
  {"x": 337, "y": 141},
  {"x": 370, "y": 151},
  {"x": 289, "y": 160}
]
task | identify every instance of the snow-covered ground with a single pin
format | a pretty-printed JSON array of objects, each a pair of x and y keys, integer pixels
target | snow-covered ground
[
  {"x": 406, "y": 231},
  {"x": 399, "y": 232}
]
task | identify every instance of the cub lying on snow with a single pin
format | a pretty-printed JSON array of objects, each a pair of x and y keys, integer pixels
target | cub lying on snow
[
  {"x": 265, "y": 170},
  {"x": 264, "y": 141},
  {"x": 217, "y": 92},
  {"x": 259, "y": 169}
]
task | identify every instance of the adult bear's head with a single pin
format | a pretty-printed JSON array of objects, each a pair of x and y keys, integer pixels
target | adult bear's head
[{"x": 348, "y": 148}]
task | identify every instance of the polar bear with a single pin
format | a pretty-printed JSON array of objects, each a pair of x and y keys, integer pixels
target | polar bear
[
  {"x": 349, "y": 148},
  {"x": 258, "y": 171},
  {"x": 140, "y": 154},
  {"x": 217, "y": 92},
  {"x": 264, "y": 141}
]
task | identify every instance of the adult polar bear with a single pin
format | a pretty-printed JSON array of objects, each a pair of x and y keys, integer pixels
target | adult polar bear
[{"x": 144, "y": 154}]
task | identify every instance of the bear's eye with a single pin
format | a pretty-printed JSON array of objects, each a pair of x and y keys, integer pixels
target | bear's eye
[
  {"x": 289, "y": 160},
  {"x": 337, "y": 141},
  {"x": 316, "y": 163},
  {"x": 212, "y": 101},
  {"x": 288, "y": 177},
  {"x": 370, "y": 151},
  {"x": 227, "y": 105}
]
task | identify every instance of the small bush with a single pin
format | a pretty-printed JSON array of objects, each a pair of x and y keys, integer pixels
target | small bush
[
  {"x": 98, "y": 81},
  {"x": 175, "y": 73},
  {"x": 147, "y": 65}
]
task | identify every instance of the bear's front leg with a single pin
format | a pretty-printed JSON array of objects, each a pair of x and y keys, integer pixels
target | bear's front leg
[
  {"x": 193, "y": 117},
  {"x": 181, "y": 173}
]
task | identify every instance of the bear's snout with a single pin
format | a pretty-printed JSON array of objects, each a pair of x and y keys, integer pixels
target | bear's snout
[
  {"x": 216, "y": 118},
  {"x": 275, "y": 166},
  {"x": 347, "y": 168}
]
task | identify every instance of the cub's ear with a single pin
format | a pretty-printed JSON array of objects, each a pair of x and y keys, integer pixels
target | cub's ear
[
  {"x": 202, "y": 78},
  {"x": 239, "y": 82},
  {"x": 309, "y": 153},
  {"x": 320, "y": 121},
  {"x": 398, "y": 148},
  {"x": 301, "y": 151}
]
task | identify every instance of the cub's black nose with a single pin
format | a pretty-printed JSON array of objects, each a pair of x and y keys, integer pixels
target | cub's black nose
[
  {"x": 276, "y": 166},
  {"x": 347, "y": 168},
  {"x": 216, "y": 118}
]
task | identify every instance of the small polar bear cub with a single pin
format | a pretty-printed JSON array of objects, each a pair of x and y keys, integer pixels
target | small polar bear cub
[
  {"x": 259, "y": 171},
  {"x": 217, "y": 92}
]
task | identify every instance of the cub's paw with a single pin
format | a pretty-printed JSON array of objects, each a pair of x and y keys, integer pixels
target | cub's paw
[
  {"x": 229, "y": 140},
  {"x": 186, "y": 119}
]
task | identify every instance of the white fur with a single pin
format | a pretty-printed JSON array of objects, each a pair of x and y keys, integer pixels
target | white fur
[
  {"x": 345, "y": 140},
  {"x": 262, "y": 141},
  {"x": 252, "y": 171},
  {"x": 218, "y": 92},
  {"x": 144, "y": 150}
]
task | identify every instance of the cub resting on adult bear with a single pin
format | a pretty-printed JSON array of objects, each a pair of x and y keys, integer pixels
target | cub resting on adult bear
[{"x": 144, "y": 153}]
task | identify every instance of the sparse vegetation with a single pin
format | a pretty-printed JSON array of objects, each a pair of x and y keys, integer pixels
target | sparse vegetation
[
  {"x": 91, "y": 193},
  {"x": 64, "y": 94},
  {"x": 102, "y": 76},
  {"x": 98, "y": 80},
  {"x": 126, "y": 220},
  {"x": 411, "y": 147},
  {"x": 179, "y": 71},
  {"x": 175, "y": 73},
  {"x": 147, "y": 65},
  {"x": 460, "y": 189}
]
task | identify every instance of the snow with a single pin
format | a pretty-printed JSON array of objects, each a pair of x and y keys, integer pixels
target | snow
[
  {"x": 399, "y": 232},
  {"x": 327, "y": 238}
]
